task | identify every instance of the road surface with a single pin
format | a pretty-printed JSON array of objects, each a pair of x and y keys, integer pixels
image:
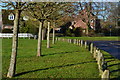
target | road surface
[{"x": 112, "y": 47}]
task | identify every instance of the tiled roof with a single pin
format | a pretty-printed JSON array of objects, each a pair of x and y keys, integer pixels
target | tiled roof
[
  {"x": 80, "y": 24},
  {"x": 81, "y": 18}
]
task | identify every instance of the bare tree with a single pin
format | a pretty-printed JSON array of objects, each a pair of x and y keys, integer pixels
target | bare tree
[
  {"x": 18, "y": 8},
  {"x": 114, "y": 13},
  {"x": 55, "y": 15},
  {"x": 41, "y": 11}
]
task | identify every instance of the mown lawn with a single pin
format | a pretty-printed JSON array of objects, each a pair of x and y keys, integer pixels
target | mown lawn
[
  {"x": 113, "y": 65},
  {"x": 112, "y": 62},
  {"x": 95, "y": 38},
  {"x": 62, "y": 60}
]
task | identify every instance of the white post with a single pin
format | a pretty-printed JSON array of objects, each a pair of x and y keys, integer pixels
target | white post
[
  {"x": 94, "y": 54},
  {"x": 81, "y": 43},
  {"x": 91, "y": 47},
  {"x": 106, "y": 75}
]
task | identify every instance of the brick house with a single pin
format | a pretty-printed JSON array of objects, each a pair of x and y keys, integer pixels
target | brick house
[
  {"x": 6, "y": 23},
  {"x": 81, "y": 21}
]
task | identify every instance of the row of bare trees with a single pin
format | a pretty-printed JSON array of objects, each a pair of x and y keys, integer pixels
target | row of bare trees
[
  {"x": 49, "y": 12},
  {"x": 39, "y": 11}
]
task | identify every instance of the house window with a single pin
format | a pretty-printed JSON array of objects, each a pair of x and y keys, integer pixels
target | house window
[{"x": 11, "y": 16}]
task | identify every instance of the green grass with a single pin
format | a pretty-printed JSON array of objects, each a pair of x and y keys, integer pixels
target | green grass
[
  {"x": 62, "y": 60},
  {"x": 94, "y": 38},
  {"x": 113, "y": 65}
]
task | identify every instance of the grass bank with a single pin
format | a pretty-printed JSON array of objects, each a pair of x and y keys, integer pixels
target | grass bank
[
  {"x": 95, "y": 38},
  {"x": 112, "y": 62},
  {"x": 62, "y": 60},
  {"x": 113, "y": 65}
]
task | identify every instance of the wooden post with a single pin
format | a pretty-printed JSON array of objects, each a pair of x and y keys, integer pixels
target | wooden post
[
  {"x": 91, "y": 47},
  {"x": 100, "y": 56},
  {"x": 74, "y": 41},
  {"x": 94, "y": 54},
  {"x": 70, "y": 40},
  {"x": 85, "y": 44},
  {"x": 97, "y": 51},
  {"x": 81, "y": 43},
  {"x": 77, "y": 41},
  {"x": 106, "y": 75}
]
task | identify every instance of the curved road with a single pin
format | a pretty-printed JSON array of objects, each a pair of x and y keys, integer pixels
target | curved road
[{"x": 112, "y": 47}]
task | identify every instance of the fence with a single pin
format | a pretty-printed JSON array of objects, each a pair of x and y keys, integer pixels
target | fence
[
  {"x": 95, "y": 52},
  {"x": 9, "y": 35}
]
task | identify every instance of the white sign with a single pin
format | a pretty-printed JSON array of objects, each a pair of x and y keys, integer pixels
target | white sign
[{"x": 11, "y": 16}]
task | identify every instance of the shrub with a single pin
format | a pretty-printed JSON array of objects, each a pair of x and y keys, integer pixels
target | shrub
[{"x": 7, "y": 31}]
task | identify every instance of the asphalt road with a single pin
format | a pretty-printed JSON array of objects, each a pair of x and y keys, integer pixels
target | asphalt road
[{"x": 112, "y": 47}]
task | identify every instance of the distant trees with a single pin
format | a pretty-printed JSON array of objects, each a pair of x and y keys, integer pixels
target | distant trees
[
  {"x": 103, "y": 11},
  {"x": 114, "y": 15}
]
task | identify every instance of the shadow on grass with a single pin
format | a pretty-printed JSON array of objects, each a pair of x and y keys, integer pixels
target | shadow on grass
[
  {"x": 59, "y": 53},
  {"x": 114, "y": 65},
  {"x": 109, "y": 57},
  {"x": 117, "y": 70},
  {"x": 22, "y": 73},
  {"x": 110, "y": 60}
]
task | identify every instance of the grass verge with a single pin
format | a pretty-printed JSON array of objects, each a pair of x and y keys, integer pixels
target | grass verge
[
  {"x": 113, "y": 65},
  {"x": 112, "y": 62},
  {"x": 62, "y": 60},
  {"x": 95, "y": 38}
]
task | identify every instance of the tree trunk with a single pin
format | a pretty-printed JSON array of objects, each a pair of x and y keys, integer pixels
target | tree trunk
[
  {"x": 39, "y": 39},
  {"x": 116, "y": 22},
  {"x": 87, "y": 31},
  {"x": 12, "y": 67},
  {"x": 43, "y": 33},
  {"x": 53, "y": 41},
  {"x": 48, "y": 36}
]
